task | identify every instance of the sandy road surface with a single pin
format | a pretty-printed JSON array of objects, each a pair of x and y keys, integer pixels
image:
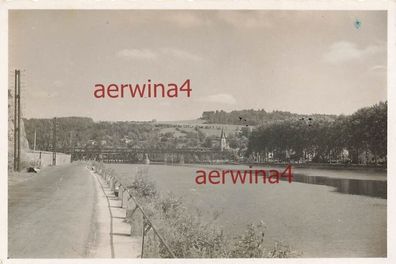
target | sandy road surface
[{"x": 51, "y": 215}]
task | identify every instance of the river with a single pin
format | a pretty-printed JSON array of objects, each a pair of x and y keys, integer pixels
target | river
[{"x": 322, "y": 213}]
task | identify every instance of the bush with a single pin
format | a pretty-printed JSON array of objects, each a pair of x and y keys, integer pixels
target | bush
[
  {"x": 249, "y": 244},
  {"x": 188, "y": 236},
  {"x": 142, "y": 188}
]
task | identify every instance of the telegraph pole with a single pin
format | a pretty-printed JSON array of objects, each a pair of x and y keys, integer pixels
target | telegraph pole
[
  {"x": 54, "y": 142},
  {"x": 70, "y": 141},
  {"x": 17, "y": 120},
  {"x": 35, "y": 139}
]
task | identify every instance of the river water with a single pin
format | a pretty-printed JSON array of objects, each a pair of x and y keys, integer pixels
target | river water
[{"x": 322, "y": 213}]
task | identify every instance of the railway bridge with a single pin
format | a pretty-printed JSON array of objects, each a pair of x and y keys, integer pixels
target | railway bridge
[{"x": 133, "y": 155}]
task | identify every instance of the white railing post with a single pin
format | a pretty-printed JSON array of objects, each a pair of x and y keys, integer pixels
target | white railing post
[
  {"x": 121, "y": 194},
  {"x": 112, "y": 184},
  {"x": 124, "y": 198}
]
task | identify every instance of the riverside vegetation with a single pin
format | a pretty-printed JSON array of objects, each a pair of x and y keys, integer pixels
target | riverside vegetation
[{"x": 188, "y": 234}]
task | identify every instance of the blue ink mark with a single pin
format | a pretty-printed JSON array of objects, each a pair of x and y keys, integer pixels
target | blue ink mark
[{"x": 358, "y": 23}]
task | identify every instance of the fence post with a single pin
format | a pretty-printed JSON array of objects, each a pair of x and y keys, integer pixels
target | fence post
[
  {"x": 125, "y": 199},
  {"x": 125, "y": 196},
  {"x": 112, "y": 184},
  {"x": 121, "y": 194},
  {"x": 143, "y": 233},
  {"x": 131, "y": 232}
]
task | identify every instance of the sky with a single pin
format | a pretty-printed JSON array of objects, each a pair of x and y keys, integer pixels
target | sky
[{"x": 299, "y": 61}]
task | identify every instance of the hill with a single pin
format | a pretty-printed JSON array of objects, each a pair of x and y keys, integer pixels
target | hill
[{"x": 257, "y": 117}]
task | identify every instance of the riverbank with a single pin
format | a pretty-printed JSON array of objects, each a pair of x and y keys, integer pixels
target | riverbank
[
  {"x": 312, "y": 219},
  {"x": 335, "y": 166},
  {"x": 110, "y": 232}
]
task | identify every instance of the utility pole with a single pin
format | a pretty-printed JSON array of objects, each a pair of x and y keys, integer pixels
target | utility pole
[
  {"x": 17, "y": 119},
  {"x": 35, "y": 139},
  {"x": 71, "y": 146},
  {"x": 54, "y": 142},
  {"x": 71, "y": 141}
]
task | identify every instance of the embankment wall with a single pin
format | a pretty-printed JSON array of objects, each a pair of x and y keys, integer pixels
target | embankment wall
[{"x": 44, "y": 158}]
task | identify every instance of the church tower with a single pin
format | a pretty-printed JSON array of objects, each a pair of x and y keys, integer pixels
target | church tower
[{"x": 223, "y": 140}]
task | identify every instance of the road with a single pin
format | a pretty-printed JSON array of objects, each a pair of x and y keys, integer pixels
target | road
[{"x": 52, "y": 215}]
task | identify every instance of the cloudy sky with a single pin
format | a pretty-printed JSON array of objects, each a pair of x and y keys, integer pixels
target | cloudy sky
[{"x": 298, "y": 61}]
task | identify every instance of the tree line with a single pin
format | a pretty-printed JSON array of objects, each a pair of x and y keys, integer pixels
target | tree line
[
  {"x": 83, "y": 131},
  {"x": 254, "y": 117},
  {"x": 357, "y": 138},
  {"x": 277, "y": 136}
]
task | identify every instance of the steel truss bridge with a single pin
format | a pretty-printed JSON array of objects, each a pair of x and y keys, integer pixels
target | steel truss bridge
[{"x": 132, "y": 155}]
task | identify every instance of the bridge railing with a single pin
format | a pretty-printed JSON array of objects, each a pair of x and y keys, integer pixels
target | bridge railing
[{"x": 125, "y": 195}]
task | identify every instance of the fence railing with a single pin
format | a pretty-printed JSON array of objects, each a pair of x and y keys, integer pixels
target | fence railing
[{"x": 125, "y": 195}]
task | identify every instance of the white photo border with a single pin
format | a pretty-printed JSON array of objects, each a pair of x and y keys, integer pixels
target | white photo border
[{"x": 388, "y": 5}]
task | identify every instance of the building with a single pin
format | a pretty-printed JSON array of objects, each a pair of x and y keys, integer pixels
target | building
[{"x": 223, "y": 141}]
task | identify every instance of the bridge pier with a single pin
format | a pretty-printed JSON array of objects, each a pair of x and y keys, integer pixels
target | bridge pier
[{"x": 146, "y": 159}]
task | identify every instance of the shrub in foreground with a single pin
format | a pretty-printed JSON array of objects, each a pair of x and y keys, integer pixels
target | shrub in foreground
[{"x": 188, "y": 235}]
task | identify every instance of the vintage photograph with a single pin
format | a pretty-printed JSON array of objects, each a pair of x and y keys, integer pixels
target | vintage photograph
[{"x": 197, "y": 133}]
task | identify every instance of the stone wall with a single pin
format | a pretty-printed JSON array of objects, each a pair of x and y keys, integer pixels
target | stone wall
[{"x": 43, "y": 159}]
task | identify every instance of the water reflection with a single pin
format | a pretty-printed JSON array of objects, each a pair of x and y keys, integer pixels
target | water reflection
[{"x": 371, "y": 188}]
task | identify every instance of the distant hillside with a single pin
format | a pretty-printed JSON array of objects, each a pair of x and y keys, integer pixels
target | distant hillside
[
  {"x": 84, "y": 131},
  {"x": 256, "y": 117}
]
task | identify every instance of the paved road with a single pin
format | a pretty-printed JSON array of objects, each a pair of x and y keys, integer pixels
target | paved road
[{"x": 51, "y": 214}]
